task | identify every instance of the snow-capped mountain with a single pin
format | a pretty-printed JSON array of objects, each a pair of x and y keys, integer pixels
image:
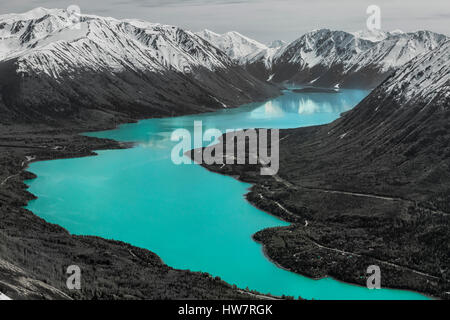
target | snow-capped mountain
[
  {"x": 408, "y": 112},
  {"x": 327, "y": 58},
  {"x": 422, "y": 80},
  {"x": 372, "y": 35},
  {"x": 398, "y": 136},
  {"x": 260, "y": 63},
  {"x": 37, "y": 37},
  {"x": 54, "y": 61},
  {"x": 276, "y": 44},
  {"x": 262, "y": 60},
  {"x": 234, "y": 44}
]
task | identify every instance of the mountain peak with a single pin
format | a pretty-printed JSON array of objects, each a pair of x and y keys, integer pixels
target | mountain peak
[
  {"x": 325, "y": 57},
  {"x": 371, "y": 35},
  {"x": 276, "y": 44},
  {"x": 235, "y": 33},
  {"x": 37, "y": 38},
  {"x": 396, "y": 31},
  {"x": 208, "y": 32},
  {"x": 234, "y": 44},
  {"x": 32, "y": 14}
]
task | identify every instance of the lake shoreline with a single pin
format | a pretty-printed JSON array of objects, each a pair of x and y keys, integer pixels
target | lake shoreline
[
  {"x": 43, "y": 143},
  {"x": 265, "y": 246},
  {"x": 259, "y": 196},
  {"x": 249, "y": 200},
  {"x": 264, "y": 250}
]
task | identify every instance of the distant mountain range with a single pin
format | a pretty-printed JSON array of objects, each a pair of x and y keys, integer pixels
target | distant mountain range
[
  {"x": 104, "y": 68},
  {"x": 328, "y": 58}
]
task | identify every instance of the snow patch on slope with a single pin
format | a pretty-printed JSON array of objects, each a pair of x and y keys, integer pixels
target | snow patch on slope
[
  {"x": 424, "y": 78},
  {"x": 4, "y": 297}
]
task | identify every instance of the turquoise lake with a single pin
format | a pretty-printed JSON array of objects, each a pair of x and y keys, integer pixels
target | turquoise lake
[{"x": 192, "y": 218}]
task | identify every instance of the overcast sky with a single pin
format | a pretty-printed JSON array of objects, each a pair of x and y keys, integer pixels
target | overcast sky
[{"x": 263, "y": 20}]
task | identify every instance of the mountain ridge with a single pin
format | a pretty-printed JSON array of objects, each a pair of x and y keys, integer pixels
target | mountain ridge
[
  {"x": 325, "y": 57},
  {"x": 234, "y": 44},
  {"x": 54, "y": 68}
]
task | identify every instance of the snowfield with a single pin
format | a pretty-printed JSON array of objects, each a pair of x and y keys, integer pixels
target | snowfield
[{"x": 3, "y": 297}]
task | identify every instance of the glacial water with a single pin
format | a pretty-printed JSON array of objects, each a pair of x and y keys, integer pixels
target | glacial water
[{"x": 192, "y": 218}]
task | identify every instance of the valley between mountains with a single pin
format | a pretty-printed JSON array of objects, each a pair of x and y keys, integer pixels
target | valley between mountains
[{"x": 370, "y": 188}]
